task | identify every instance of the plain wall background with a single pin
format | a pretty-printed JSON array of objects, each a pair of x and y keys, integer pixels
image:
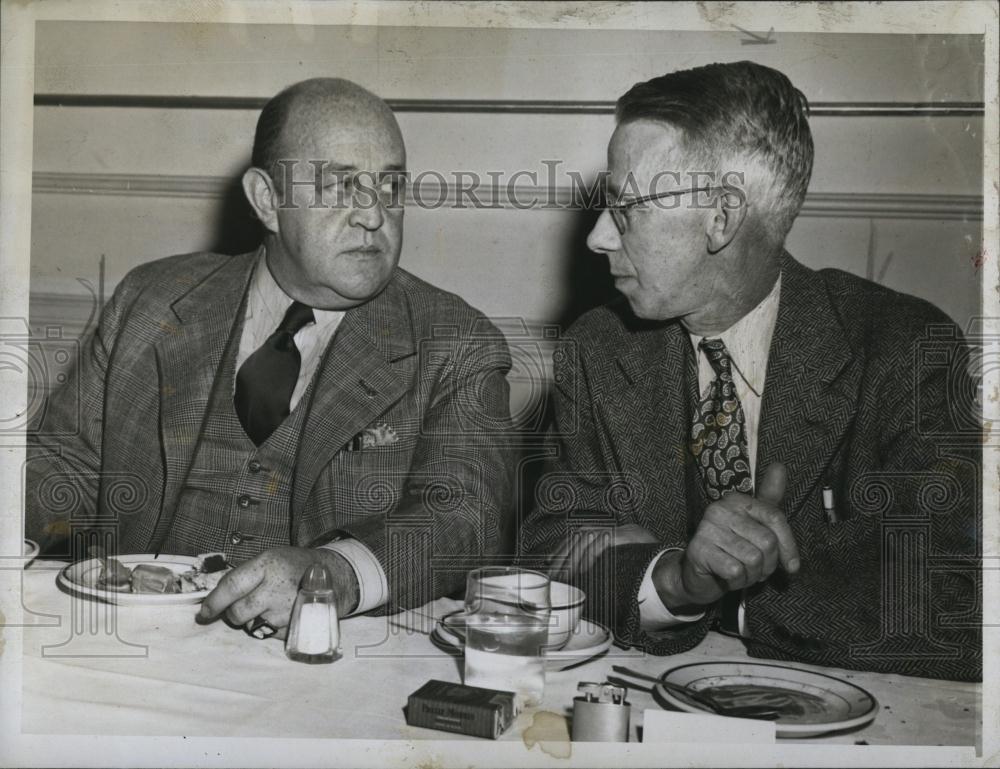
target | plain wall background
[{"x": 897, "y": 199}]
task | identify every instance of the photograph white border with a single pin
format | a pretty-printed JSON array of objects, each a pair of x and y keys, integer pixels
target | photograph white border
[{"x": 16, "y": 95}]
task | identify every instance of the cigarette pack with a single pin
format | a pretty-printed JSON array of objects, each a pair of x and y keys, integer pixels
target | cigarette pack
[{"x": 462, "y": 709}]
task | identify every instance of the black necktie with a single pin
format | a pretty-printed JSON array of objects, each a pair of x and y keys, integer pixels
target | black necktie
[
  {"x": 719, "y": 445},
  {"x": 266, "y": 380}
]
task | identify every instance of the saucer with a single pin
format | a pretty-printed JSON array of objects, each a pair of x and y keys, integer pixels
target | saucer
[
  {"x": 29, "y": 552},
  {"x": 587, "y": 641}
]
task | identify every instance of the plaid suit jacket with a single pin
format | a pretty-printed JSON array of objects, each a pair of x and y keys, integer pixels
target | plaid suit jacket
[
  {"x": 866, "y": 392},
  {"x": 415, "y": 358}
]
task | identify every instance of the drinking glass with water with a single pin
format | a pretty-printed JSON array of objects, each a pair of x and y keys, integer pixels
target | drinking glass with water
[{"x": 506, "y": 628}]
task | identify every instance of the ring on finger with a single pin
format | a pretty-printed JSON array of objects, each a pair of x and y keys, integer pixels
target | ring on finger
[{"x": 260, "y": 628}]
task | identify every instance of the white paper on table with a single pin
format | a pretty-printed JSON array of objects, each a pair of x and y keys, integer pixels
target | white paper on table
[{"x": 667, "y": 726}]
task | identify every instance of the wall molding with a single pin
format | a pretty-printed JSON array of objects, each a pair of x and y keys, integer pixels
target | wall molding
[
  {"x": 131, "y": 185},
  {"x": 493, "y": 106},
  {"x": 61, "y": 315},
  {"x": 853, "y": 205},
  {"x": 432, "y": 194}
]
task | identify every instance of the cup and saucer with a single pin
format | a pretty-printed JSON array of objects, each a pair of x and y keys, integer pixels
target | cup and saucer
[
  {"x": 29, "y": 551},
  {"x": 572, "y": 639}
]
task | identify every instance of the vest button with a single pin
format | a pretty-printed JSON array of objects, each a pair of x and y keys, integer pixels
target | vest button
[
  {"x": 254, "y": 466},
  {"x": 243, "y": 501},
  {"x": 236, "y": 537}
]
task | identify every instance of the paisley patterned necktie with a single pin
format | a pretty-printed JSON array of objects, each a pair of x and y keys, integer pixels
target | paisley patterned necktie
[{"x": 718, "y": 430}]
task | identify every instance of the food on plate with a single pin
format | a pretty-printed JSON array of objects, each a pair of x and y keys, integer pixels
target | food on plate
[
  {"x": 110, "y": 574},
  {"x": 147, "y": 578},
  {"x": 87, "y": 573},
  {"x": 114, "y": 575},
  {"x": 213, "y": 562},
  {"x": 208, "y": 571}
]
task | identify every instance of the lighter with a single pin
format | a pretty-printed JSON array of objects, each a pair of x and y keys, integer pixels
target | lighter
[{"x": 601, "y": 714}]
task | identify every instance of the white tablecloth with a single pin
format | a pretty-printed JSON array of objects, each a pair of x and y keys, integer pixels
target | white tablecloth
[{"x": 154, "y": 671}]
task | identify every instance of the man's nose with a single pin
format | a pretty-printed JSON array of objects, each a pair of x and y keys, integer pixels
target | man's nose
[
  {"x": 367, "y": 214},
  {"x": 604, "y": 237}
]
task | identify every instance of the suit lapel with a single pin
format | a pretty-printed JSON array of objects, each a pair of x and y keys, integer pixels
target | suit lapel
[
  {"x": 812, "y": 380},
  {"x": 356, "y": 382},
  {"x": 188, "y": 358},
  {"x": 653, "y": 407}
]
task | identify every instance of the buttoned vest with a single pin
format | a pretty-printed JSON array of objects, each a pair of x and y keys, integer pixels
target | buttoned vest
[{"x": 237, "y": 496}]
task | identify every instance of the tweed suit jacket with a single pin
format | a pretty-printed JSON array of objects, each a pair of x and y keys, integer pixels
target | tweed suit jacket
[
  {"x": 866, "y": 392},
  {"x": 415, "y": 358}
]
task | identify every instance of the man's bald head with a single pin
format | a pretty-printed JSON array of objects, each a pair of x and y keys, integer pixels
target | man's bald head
[
  {"x": 326, "y": 182},
  {"x": 311, "y": 105}
]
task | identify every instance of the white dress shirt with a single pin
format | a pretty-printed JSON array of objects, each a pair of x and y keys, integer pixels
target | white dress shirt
[
  {"x": 266, "y": 307},
  {"x": 748, "y": 342}
]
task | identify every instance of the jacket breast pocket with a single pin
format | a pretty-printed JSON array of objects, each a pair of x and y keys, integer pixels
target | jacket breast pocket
[
  {"x": 847, "y": 544},
  {"x": 369, "y": 480}
]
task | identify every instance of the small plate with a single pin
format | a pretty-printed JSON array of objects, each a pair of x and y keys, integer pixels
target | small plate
[
  {"x": 31, "y": 549},
  {"x": 810, "y": 703},
  {"x": 587, "y": 641},
  {"x": 70, "y": 579}
]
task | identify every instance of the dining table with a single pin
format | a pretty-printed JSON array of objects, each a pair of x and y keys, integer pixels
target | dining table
[{"x": 90, "y": 667}]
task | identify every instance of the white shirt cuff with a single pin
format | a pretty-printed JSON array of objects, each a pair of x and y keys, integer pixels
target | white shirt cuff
[
  {"x": 373, "y": 587},
  {"x": 653, "y": 615}
]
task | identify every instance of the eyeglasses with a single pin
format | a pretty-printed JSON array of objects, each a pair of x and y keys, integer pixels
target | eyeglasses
[{"x": 619, "y": 211}]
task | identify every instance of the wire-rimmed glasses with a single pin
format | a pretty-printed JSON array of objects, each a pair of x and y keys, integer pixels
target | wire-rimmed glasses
[{"x": 619, "y": 211}]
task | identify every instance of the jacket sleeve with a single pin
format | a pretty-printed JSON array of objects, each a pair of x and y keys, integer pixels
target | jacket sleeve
[
  {"x": 585, "y": 492},
  {"x": 929, "y": 492},
  {"x": 64, "y": 439}
]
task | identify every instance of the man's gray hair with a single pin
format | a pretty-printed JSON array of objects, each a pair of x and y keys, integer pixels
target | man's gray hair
[{"x": 738, "y": 117}]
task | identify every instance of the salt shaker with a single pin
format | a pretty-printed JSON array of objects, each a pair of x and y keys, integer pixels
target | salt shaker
[{"x": 314, "y": 631}]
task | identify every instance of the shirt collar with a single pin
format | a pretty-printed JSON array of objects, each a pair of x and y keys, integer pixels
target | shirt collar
[
  {"x": 268, "y": 300},
  {"x": 748, "y": 340}
]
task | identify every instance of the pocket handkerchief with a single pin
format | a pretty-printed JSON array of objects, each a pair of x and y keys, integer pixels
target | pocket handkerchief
[{"x": 380, "y": 434}]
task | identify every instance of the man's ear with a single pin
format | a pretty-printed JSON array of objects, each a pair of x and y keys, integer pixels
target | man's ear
[
  {"x": 263, "y": 198},
  {"x": 727, "y": 218}
]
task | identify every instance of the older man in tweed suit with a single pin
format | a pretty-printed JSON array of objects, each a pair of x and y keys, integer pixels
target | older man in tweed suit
[
  {"x": 310, "y": 402},
  {"x": 742, "y": 440}
]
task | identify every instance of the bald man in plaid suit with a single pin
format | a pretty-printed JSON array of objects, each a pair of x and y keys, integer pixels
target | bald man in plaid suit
[
  {"x": 786, "y": 455},
  {"x": 307, "y": 403}
]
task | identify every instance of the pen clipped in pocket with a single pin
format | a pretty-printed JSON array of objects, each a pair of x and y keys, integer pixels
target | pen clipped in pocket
[
  {"x": 830, "y": 506},
  {"x": 833, "y": 500}
]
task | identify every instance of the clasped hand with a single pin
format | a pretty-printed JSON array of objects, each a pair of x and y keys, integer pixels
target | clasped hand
[{"x": 266, "y": 586}]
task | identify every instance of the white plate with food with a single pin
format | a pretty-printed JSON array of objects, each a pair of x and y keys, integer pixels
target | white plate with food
[
  {"x": 587, "y": 641},
  {"x": 146, "y": 579},
  {"x": 29, "y": 552},
  {"x": 810, "y": 703}
]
